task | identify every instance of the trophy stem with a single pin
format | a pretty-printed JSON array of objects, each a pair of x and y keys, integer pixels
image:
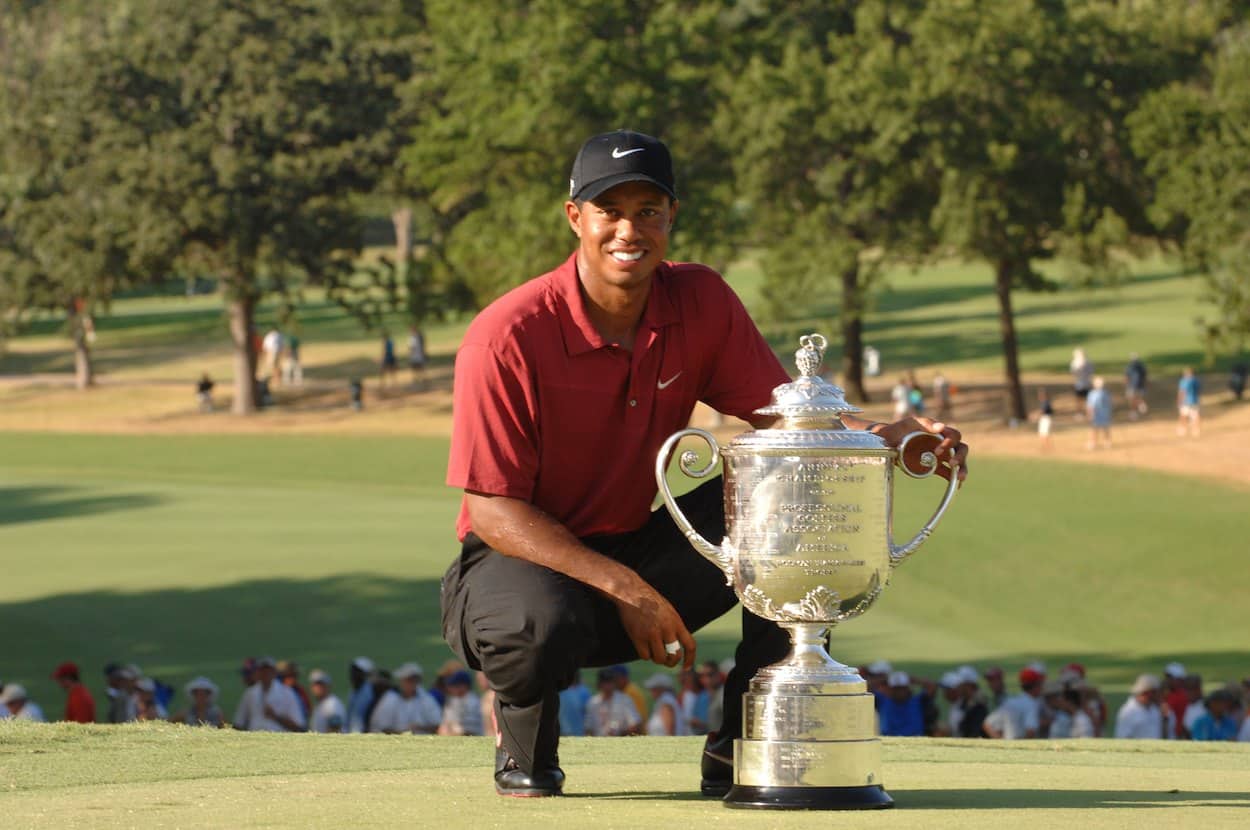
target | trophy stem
[{"x": 808, "y": 663}]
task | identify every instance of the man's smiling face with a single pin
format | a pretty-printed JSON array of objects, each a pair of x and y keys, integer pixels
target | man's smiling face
[{"x": 623, "y": 233}]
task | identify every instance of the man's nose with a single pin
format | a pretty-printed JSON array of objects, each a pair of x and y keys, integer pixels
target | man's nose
[{"x": 625, "y": 228}]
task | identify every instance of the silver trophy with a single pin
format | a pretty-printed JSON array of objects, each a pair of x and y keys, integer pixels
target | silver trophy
[{"x": 808, "y": 544}]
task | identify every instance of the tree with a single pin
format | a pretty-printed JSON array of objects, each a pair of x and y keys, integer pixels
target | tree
[
  {"x": 830, "y": 160},
  {"x": 1195, "y": 135},
  {"x": 515, "y": 87},
  {"x": 258, "y": 125},
  {"x": 60, "y": 248},
  {"x": 1025, "y": 107}
]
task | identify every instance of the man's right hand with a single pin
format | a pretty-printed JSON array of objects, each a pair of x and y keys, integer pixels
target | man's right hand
[{"x": 650, "y": 621}]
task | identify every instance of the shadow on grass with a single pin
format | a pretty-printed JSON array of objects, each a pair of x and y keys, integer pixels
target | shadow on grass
[
  {"x": 36, "y": 504},
  {"x": 177, "y": 633},
  {"x": 1061, "y": 799}
]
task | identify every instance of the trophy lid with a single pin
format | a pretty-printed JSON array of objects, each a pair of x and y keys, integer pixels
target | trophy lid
[{"x": 809, "y": 398}]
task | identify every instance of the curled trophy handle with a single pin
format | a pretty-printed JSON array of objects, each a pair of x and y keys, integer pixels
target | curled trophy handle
[
  {"x": 929, "y": 464},
  {"x": 718, "y": 555}
]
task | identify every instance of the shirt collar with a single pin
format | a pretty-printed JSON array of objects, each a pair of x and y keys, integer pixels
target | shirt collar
[{"x": 580, "y": 334}]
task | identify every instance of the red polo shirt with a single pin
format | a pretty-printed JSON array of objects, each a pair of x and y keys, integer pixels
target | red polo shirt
[{"x": 548, "y": 411}]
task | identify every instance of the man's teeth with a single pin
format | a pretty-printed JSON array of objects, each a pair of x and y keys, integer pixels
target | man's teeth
[{"x": 624, "y": 257}]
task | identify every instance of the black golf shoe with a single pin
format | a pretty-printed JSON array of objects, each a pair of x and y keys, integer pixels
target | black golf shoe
[{"x": 513, "y": 781}]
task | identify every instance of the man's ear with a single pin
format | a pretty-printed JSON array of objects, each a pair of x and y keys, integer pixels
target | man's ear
[
  {"x": 672, "y": 214},
  {"x": 573, "y": 212}
]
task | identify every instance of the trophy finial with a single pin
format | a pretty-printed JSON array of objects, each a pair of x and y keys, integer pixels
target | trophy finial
[{"x": 810, "y": 354}]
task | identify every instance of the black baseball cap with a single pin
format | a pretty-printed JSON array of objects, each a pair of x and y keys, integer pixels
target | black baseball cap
[{"x": 609, "y": 159}]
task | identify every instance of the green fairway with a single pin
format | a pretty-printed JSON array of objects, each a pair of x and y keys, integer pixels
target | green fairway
[
  {"x": 185, "y": 554},
  {"x": 942, "y": 315},
  {"x": 165, "y": 776}
]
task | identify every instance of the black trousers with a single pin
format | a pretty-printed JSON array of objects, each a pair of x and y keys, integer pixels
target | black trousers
[{"x": 530, "y": 629}]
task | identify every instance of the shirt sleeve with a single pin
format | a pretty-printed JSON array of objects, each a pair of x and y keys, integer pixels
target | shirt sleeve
[
  {"x": 494, "y": 437},
  {"x": 745, "y": 370}
]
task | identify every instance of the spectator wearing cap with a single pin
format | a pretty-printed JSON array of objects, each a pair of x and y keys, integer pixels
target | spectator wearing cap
[
  {"x": 904, "y": 713},
  {"x": 121, "y": 693},
  {"x": 1175, "y": 695},
  {"x": 694, "y": 701},
  {"x": 997, "y": 684},
  {"x": 972, "y": 705},
  {"x": 267, "y": 705},
  {"x": 1217, "y": 723},
  {"x": 16, "y": 705},
  {"x": 1020, "y": 715},
  {"x": 147, "y": 705},
  {"x": 1194, "y": 708},
  {"x": 877, "y": 676},
  {"x": 624, "y": 684},
  {"x": 407, "y": 708},
  {"x": 573, "y": 700},
  {"x": 666, "y": 715},
  {"x": 202, "y": 708},
  {"x": 79, "y": 704},
  {"x": 288, "y": 673},
  {"x": 1070, "y": 720},
  {"x": 247, "y": 671},
  {"x": 1141, "y": 716},
  {"x": 361, "y": 700},
  {"x": 949, "y": 688},
  {"x": 328, "y": 713},
  {"x": 611, "y": 712},
  {"x": 462, "y": 713}
]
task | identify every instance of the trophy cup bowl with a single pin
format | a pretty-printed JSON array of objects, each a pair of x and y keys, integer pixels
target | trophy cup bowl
[{"x": 808, "y": 544}]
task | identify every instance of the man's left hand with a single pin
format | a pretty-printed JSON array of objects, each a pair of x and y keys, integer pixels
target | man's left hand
[{"x": 945, "y": 440}]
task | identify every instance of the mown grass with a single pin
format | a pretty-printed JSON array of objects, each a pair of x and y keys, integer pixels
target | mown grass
[
  {"x": 165, "y": 776},
  {"x": 186, "y": 553}
]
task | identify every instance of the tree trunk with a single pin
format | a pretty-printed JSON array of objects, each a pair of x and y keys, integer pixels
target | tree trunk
[
  {"x": 242, "y": 311},
  {"x": 853, "y": 332},
  {"x": 84, "y": 371},
  {"x": 401, "y": 218},
  {"x": 1003, "y": 274}
]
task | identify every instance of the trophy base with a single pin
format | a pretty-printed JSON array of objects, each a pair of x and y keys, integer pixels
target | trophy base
[{"x": 808, "y": 798}]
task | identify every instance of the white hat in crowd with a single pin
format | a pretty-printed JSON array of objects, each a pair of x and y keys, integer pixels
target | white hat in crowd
[
  {"x": 364, "y": 664},
  {"x": 899, "y": 678},
  {"x": 967, "y": 674},
  {"x": 951, "y": 679},
  {"x": 408, "y": 670},
  {"x": 880, "y": 667},
  {"x": 1146, "y": 683},
  {"x": 660, "y": 681},
  {"x": 320, "y": 676},
  {"x": 202, "y": 683},
  {"x": 1174, "y": 669},
  {"x": 12, "y": 693},
  {"x": 146, "y": 684}
]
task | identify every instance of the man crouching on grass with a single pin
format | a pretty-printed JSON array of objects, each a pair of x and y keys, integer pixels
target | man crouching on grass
[{"x": 565, "y": 388}]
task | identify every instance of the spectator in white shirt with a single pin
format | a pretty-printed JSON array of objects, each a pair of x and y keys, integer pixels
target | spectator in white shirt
[
  {"x": 408, "y": 708},
  {"x": 611, "y": 712},
  {"x": 1020, "y": 715},
  {"x": 1071, "y": 721},
  {"x": 462, "y": 712},
  {"x": 329, "y": 715},
  {"x": 667, "y": 717},
  {"x": 14, "y": 704},
  {"x": 1141, "y": 716},
  {"x": 269, "y": 706}
]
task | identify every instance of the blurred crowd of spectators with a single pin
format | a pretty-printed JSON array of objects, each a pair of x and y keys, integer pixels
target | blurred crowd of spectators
[{"x": 965, "y": 702}]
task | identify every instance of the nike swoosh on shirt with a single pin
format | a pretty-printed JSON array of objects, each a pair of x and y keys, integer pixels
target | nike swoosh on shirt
[
  {"x": 664, "y": 384},
  {"x": 617, "y": 154}
]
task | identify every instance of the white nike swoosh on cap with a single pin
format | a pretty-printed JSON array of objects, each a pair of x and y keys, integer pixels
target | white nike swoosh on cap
[
  {"x": 664, "y": 384},
  {"x": 617, "y": 154}
]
